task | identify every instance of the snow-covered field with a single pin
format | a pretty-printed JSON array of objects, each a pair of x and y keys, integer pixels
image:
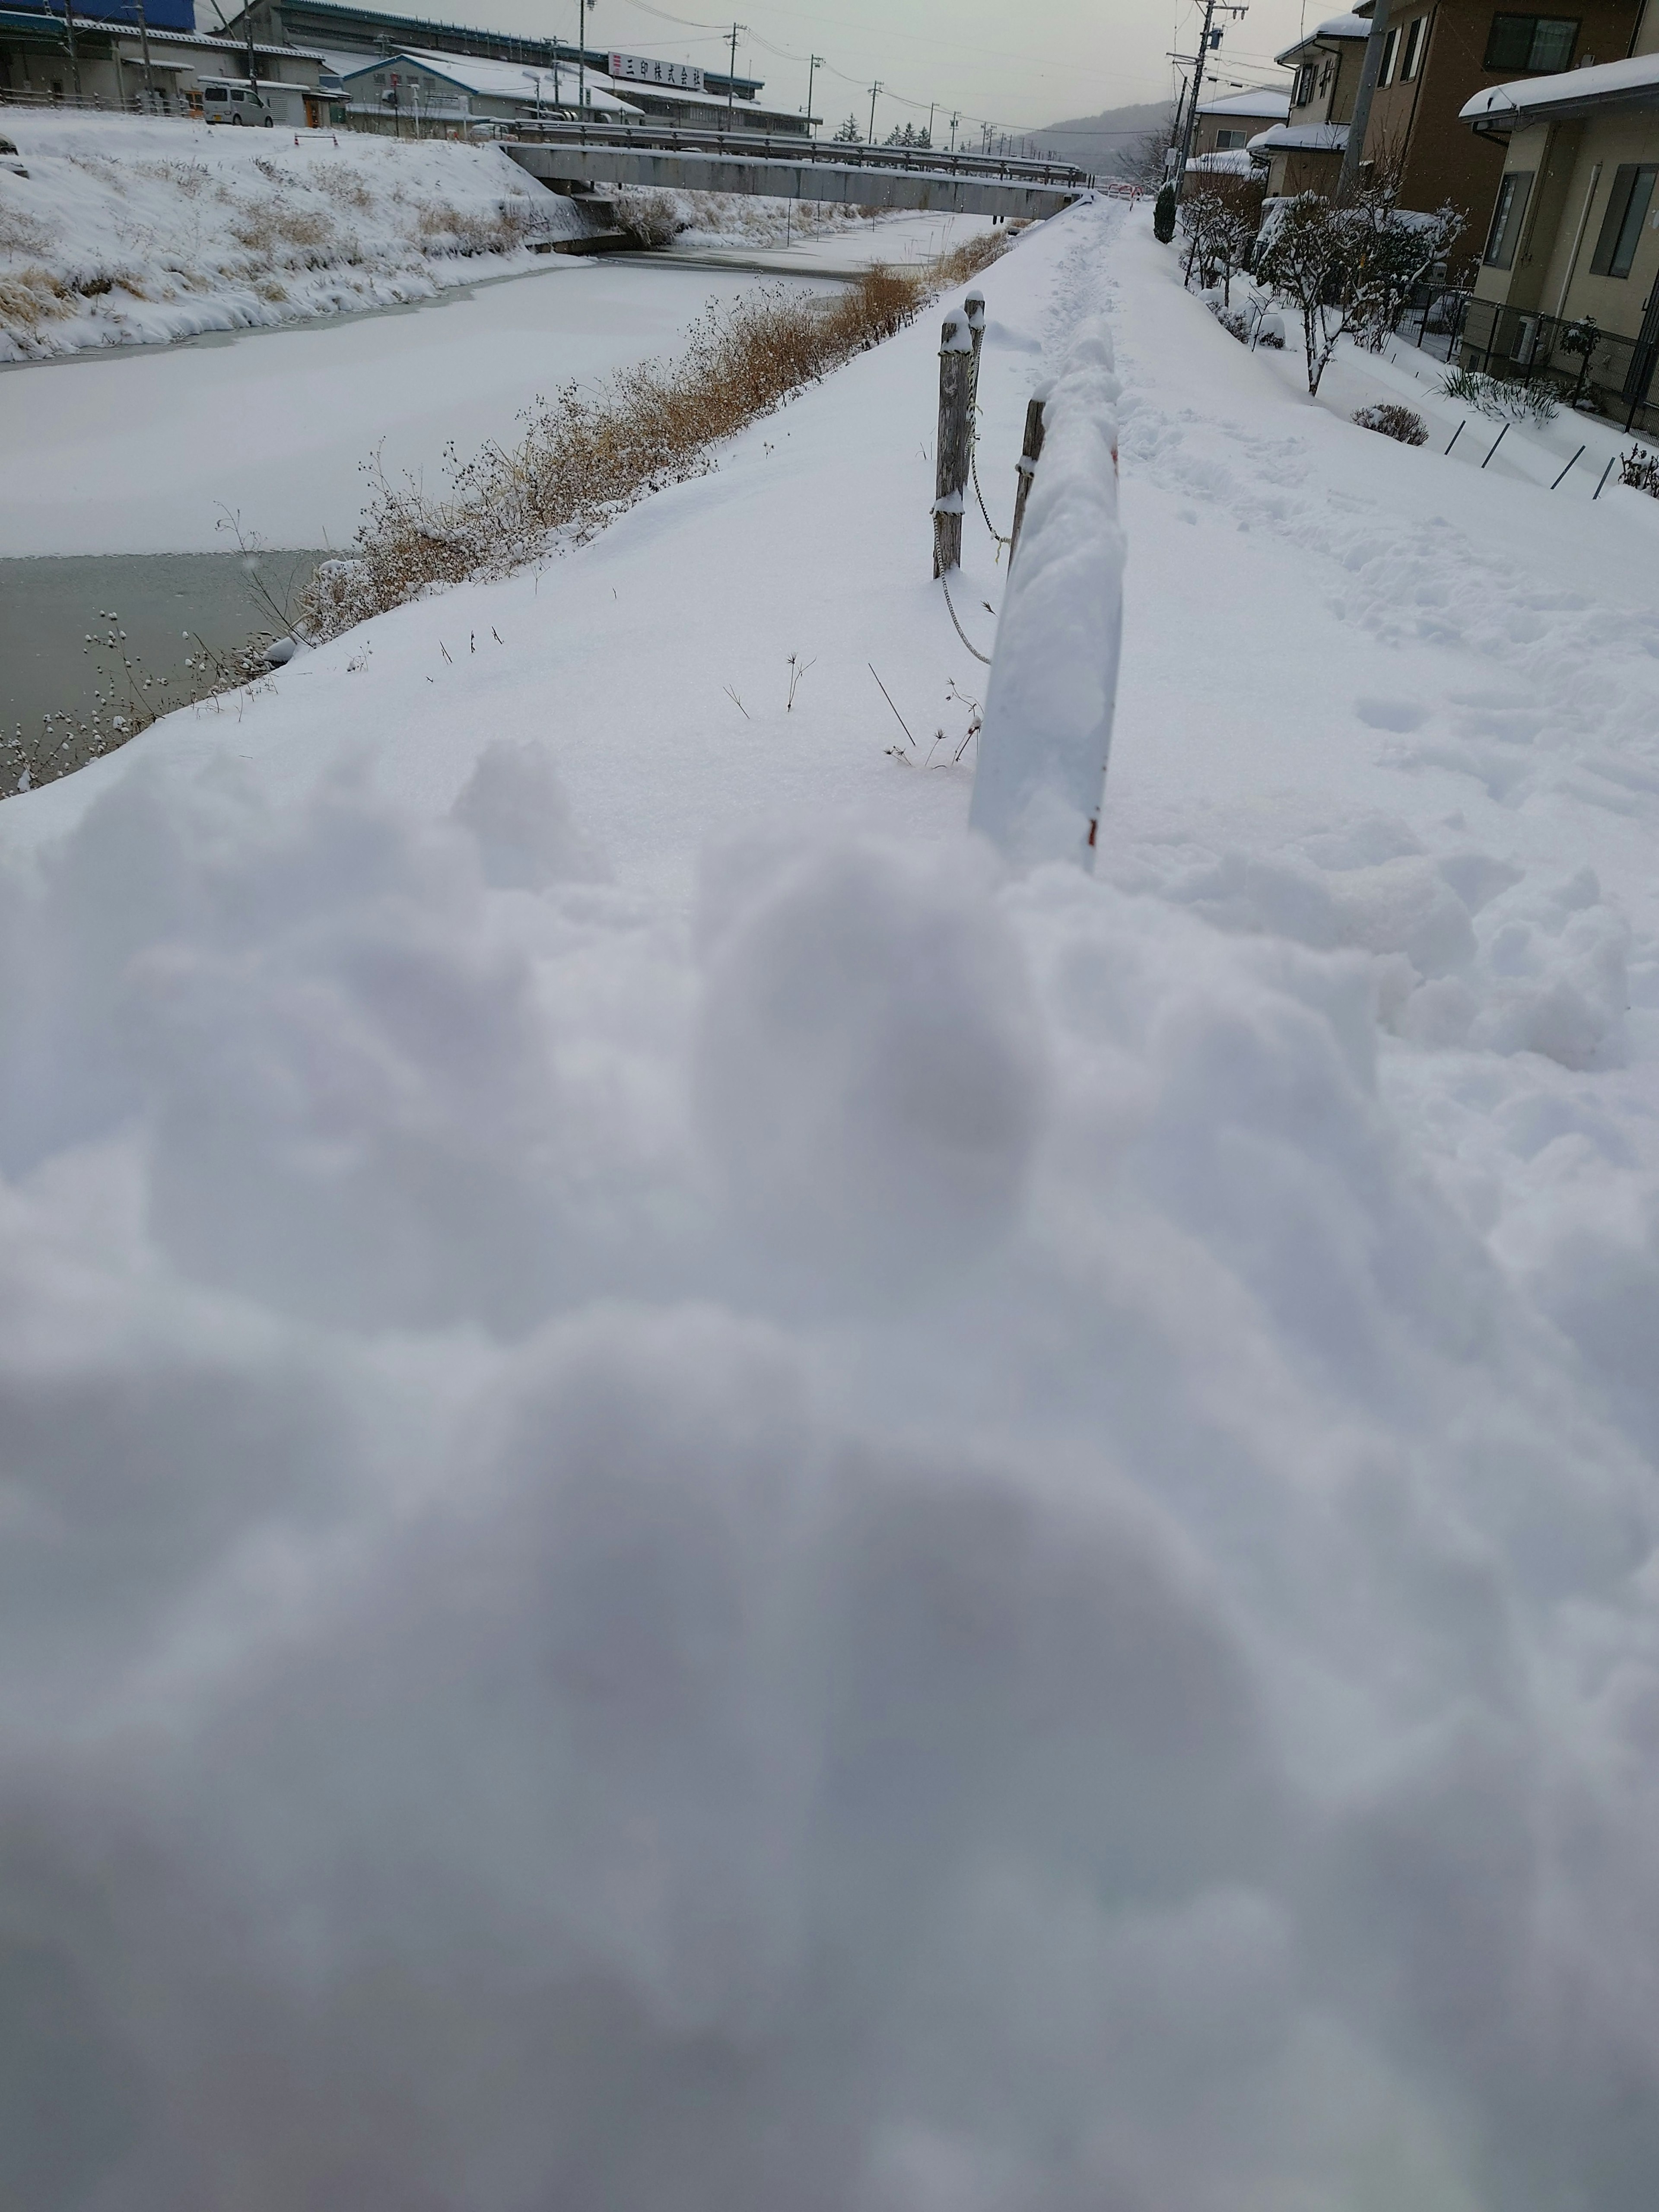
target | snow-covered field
[
  {"x": 130, "y": 230},
  {"x": 706, "y": 1509}
]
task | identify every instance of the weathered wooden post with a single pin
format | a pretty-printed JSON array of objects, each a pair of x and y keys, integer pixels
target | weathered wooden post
[
  {"x": 956, "y": 394},
  {"x": 1028, "y": 453},
  {"x": 974, "y": 307}
]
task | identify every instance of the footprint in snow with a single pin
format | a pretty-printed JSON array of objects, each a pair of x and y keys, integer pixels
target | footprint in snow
[{"x": 1390, "y": 714}]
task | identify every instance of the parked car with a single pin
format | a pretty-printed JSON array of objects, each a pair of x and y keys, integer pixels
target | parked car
[
  {"x": 8, "y": 159},
  {"x": 227, "y": 100}
]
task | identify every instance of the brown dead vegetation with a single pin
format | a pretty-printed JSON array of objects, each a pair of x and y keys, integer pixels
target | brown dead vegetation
[{"x": 588, "y": 456}]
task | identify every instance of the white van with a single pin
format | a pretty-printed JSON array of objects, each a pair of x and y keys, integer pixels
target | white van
[{"x": 233, "y": 100}]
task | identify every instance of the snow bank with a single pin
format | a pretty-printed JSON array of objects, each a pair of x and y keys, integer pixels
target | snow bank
[
  {"x": 898, "y": 1530},
  {"x": 127, "y": 230},
  {"x": 879, "y": 1538},
  {"x": 1054, "y": 680}
]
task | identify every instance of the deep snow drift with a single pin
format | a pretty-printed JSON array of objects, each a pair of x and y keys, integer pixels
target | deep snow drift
[{"x": 705, "y": 1510}]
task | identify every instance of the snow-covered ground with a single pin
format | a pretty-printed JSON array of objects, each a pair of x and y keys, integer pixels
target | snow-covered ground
[
  {"x": 707, "y": 1509},
  {"x": 129, "y": 230}
]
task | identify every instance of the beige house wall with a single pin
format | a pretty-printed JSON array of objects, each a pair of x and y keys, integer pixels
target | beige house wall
[{"x": 1574, "y": 165}]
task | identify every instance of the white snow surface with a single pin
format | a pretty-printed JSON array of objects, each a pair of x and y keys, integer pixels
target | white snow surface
[
  {"x": 707, "y": 1509},
  {"x": 130, "y": 231}
]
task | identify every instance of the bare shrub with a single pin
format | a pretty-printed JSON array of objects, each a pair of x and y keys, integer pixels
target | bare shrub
[
  {"x": 22, "y": 233},
  {"x": 1392, "y": 421},
  {"x": 275, "y": 230},
  {"x": 441, "y": 228},
  {"x": 1639, "y": 469},
  {"x": 651, "y": 219},
  {"x": 588, "y": 456},
  {"x": 342, "y": 183}
]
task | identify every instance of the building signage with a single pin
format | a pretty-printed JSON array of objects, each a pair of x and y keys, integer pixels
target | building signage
[{"x": 680, "y": 76}]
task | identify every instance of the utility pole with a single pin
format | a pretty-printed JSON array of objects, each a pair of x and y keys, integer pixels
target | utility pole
[
  {"x": 955, "y": 119},
  {"x": 731, "y": 81},
  {"x": 581, "y": 60},
  {"x": 144, "y": 41},
  {"x": 932, "y": 105},
  {"x": 1370, "y": 70},
  {"x": 1208, "y": 41},
  {"x": 813, "y": 62},
  {"x": 874, "y": 90},
  {"x": 74, "y": 51},
  {"x": 252, "y": 78}
]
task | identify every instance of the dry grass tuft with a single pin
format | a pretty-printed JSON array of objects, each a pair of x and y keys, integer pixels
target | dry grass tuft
[
  {"x": 30, "y": 297},
  {"x": 22, "y": 233},
  {"x": 587, "y": 458},
  {"x": 276, "y": 231}
]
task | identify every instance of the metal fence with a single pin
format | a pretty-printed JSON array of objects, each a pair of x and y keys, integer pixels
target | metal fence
[{"x": 1599, "y": 372}]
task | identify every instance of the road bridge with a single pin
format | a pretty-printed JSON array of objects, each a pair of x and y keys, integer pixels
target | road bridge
[{"x": 581, "y": 155}]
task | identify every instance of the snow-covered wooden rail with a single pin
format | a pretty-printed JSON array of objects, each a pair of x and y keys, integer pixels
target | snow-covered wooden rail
[{"x": 1048, "y": 732}]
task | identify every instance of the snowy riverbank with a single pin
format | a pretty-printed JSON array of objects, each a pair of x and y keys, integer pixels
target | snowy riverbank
[
  {"x": 707, "y": 1508},
  {"x": 131, "y": 230}
]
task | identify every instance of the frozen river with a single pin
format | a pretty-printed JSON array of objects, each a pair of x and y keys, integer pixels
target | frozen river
[{"x": 168, "y": 450}]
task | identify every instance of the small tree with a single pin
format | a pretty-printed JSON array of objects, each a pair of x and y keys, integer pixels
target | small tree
[
  {"x": 1164, "y": 215},
  {"x": 1221, "y": 214},
  {"x": 1145, "y": 161},
  {"x": 1349, "y": 267},
  {"x": 849, "y": 134}
]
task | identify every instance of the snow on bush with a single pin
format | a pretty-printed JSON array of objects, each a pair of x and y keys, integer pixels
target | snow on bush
[
  {"x": 881, "y": 1553},
  {"x": 1392, "y": 421},
  {"x": 1519, "y": 400},
  {"x": 127, "y": 230},
  {"x": 664, "y": 217}
]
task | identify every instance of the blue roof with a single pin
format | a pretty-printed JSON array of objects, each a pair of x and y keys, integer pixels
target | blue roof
[{"x": 160, "y": 14}]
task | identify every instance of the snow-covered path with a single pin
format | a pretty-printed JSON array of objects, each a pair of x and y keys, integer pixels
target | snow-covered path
[{"x": 705, "y": 1510}]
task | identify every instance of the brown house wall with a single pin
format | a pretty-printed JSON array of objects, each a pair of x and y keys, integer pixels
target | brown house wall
[{"x": 1445, "y": 160}]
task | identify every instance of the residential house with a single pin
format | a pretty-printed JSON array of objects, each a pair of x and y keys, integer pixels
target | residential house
[
  {"x": 1437, "y": 57},
  {"x": 1227, "y": 121},
  {"x": 1304, "y": 153},
  {"x": 1568, "y": 273}
]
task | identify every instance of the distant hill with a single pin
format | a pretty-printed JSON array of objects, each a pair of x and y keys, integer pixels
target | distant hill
[{"x": 1096, "y": 141}]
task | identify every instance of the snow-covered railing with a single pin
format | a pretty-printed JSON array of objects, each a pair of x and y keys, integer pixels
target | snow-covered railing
[{"x": 1048, "y": 729}]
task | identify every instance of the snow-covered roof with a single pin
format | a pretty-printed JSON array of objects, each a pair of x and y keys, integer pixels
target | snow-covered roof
[
  {"x": 1333, "y": 27},
  {"x": 1634, "y": 80},
  {"x": 493, "y": 80},
  {"x": 1232, "y": 161},
  {"x": 1260, "y": 100},
  {"x": 1300, "y": 139}
]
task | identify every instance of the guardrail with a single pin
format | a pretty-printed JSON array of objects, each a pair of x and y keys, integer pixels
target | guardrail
[{"x": 790, "y": 146}]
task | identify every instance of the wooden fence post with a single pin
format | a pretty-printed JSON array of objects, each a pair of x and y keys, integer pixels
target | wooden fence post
[
  {"x": 956, "y": 377},
  {"x": 1028, "y": 453},
  {"x": 974, "y": 307}
]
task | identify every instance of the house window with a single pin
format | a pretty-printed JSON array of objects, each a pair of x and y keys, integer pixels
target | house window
[
  {"x": 1505, "y": 233},
  {"x": 1390, "y": 48},
  {"x": 1531, "y": 42},
  {"x": 1408, "y": 68},
  {"x": 1225, "y": 141},
  {"x": 1621, "y": 226},
  {"x": 1304, "y": 86}
]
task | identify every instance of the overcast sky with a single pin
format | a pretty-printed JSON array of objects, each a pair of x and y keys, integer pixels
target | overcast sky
[{"x": 1016, "y": 64}]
